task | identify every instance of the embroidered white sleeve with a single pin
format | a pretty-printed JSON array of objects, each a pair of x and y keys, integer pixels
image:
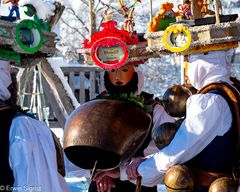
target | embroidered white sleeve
[{"x": 207, "y": 116}]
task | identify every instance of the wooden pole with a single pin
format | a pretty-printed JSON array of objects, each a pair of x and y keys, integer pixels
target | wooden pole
[
  {"x": 138, "y": 184},
  {"x": 150, "y": 9},
  {"x": 196, "y": 10},
  {"x": 94, "y": 170},
  {"x": 91, "y": 16},
  {"x": 182, "y": 69},
  {"x": 216, "y": 8},
  {"x": 60, "y": 101},
  {"x": 57, "y": 14}
]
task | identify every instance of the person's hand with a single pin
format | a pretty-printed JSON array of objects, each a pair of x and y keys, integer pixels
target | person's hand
[
  {"x": 105, "y": 185},
  {"x": 132, "y": 167},
  {"x": 115, "y": 173}
]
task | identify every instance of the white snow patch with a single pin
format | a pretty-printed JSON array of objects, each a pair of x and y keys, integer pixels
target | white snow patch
[
  {"x": 45, "y": 8},
  {"x": 54, "y": 62}
]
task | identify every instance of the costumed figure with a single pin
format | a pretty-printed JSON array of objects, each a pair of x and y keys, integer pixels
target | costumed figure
[
  {"x": 204, "y": 8},
  {"x": 128, "y": 22},
  {"x": 29, "y": 151},
  {"x": 203, "y": 155},
  {"x": 124, "y": 9},
  {"x": 219, "y": 4},
  {"x": 185, "y": 9},
  {"x": 162, "y": 20},
  {"x": 14, "y": 8},
  {"x": 128, "y": 15},
  {"x": 126, "y": 80}
]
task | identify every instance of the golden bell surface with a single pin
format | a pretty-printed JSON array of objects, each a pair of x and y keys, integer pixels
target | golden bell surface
[
  {"x": 223, "y": 184},
  {"x": 174, "y": 100},
  {"x": 179, "y": 178}
]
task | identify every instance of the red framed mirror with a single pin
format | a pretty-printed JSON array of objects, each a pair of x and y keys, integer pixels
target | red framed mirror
[{"x": 109, "y": 53}]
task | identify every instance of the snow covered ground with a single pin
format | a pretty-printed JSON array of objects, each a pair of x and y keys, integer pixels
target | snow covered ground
[
  {"x": 81, "y": 185},
  {"x": 77, "y": 185}
]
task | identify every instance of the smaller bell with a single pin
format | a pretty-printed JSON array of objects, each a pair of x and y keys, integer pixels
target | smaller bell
[
  {"x": 179, "y": 178},
  {"x": 174, "y": 100}
]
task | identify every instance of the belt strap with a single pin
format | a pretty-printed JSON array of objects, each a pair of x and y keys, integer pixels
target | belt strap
[
  {"x": 205, "y": 179},
  {"x": 234, "y": 96}
]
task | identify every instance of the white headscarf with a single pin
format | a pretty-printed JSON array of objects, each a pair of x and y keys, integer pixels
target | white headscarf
[
  {"x": 208, "y": 68},
  {"x": 140, "y": 80},
  {"x": 5, "y": 80}
]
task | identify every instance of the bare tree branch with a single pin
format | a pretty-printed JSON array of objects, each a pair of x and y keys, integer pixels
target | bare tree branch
[
  {"x": 98, "y": 3},
  {"x": 85, "y": 2},
  {"x": 73, "y": 28},
  {"x": 108, "y": 6},
  {"x": 71, "y": 11}
]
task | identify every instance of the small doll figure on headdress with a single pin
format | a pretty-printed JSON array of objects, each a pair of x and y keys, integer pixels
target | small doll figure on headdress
[
  {"x": 124, "y": 9},
  {"x": 128, "y": 14},
  {"x": 107, "y": 16},
  {"x": 185, "y": 9},
  {"x": 14, "y": 7},
  {"x": 129, "y": 23}
]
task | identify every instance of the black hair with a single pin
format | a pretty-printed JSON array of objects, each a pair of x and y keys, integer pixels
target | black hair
[{"x": 130, "y": 87}]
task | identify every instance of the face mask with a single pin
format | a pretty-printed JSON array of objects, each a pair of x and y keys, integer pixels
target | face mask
[{"x": 121, "y": 76}]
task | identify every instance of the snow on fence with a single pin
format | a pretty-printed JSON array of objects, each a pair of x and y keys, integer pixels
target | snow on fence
[{"x": 85, "y": 81}]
